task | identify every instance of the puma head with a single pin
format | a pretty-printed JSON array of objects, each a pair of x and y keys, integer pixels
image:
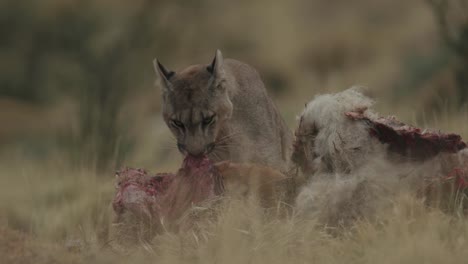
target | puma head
[{"x": 196, "y": 104}]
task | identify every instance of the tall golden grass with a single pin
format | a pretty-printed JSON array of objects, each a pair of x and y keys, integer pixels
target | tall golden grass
[
  {"x": 63, "y": 214},
  {"x": 52, "y": 212}
]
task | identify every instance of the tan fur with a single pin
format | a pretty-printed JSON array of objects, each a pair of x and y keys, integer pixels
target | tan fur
[
  {"x": 247, "y": 127},
  {"x": 243, "y": 179}
]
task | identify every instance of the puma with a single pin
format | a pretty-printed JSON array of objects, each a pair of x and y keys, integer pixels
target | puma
[{"x": 222, "y": 110}]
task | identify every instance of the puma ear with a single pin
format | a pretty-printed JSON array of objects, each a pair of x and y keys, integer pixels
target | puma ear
[
  {"x": 162, "y": 74},
  {"x": 216, "y": 68}
]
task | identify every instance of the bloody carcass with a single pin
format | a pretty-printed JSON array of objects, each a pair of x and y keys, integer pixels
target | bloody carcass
[
  {"x": 146, "y": 204},
  {"x": 344, "y": 149}
]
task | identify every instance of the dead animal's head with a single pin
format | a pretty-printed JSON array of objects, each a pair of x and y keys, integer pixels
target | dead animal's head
[
  {"x": 327, "y": 140},
  {"x": 195, "y": 104},
  {"x": 303, "y": 149}
]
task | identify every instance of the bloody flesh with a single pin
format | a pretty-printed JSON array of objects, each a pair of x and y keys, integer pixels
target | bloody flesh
[
  {"x": 419, "y": 145},
  {"x": 407, "y": 140},
  {"x": 166, "y": 195}
]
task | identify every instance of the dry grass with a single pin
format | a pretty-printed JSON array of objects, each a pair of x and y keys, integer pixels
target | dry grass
[
  {"x": 408, "y": 232},
  {"x": 51, "y": 213},
  {"x": 63, "y": 215}
]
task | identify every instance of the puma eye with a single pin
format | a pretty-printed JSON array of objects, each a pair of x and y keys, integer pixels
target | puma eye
[
  {"x": 177, "y": 123},
  {"x": 208, "y": 120}
]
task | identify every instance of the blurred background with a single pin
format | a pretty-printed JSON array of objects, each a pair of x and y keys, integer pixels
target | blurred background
[{"x": 78, "y": 100}]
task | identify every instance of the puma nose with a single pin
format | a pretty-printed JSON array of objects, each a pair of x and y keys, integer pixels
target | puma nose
[
  {"x": 210, "y": 147},
  {"x": 198, "y": 154},
  {"x": 193, "y": 151}
]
